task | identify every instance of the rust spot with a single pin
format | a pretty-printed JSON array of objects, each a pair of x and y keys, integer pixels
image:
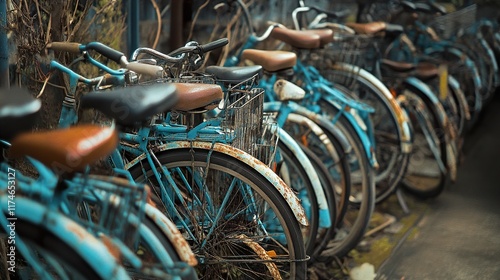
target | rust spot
[
  {"x": 262, "y": 254},
  {"x": 79, "y": 231},
  {"x": 112, "y": 248}
]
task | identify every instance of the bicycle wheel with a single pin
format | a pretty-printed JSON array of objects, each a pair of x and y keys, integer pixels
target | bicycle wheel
[
  {"x": 361, "y": 199},
  {"x": 325, "y": 234},
  {"x": 309, "y": 130},
  {"x": 350, "y": 169},
  {"x": 291, "y": 170},
  {"x": 236, "y": 221},
  {"x": 478, "y": 50},
  {"x": 390, "y": 147},
  {"x": 426, "y": 174}
]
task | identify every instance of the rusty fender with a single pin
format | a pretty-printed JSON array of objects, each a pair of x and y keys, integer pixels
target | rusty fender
[
  {"x": 455, "y": 86},
  {"x": 287, "y": 193},
  {"x": 288, "y": 141},
  {"x": 173, "y": 234}
]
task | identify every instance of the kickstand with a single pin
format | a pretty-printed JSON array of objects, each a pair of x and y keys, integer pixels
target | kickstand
[{"x": 402, "y": 201}]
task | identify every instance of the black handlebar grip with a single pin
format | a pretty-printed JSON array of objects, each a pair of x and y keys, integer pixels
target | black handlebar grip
[
  {"x": 108, "y": 52},
  {"x": 214, "y": 45}
]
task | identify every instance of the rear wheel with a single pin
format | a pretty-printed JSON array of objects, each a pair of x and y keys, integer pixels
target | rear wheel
[{"x": 237, "y": 223}]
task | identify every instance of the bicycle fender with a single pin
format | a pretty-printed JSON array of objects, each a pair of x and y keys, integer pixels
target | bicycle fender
[
  {"x": 424, "y": 91},
  {"x": 173, "y": 234},
  {"x": 402, "y": 119},
  {"x": 455, "y": 86},
  {"x": 93, "y": 250},
  {"x": 287, "y": 193},
  {"x": 290, "y": 143}
]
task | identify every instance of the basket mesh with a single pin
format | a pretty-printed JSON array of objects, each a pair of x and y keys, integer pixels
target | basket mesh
[
  {"x": 246, "y": 125},
  {"x": 104, "y": 204},
  {"x": 449, "y": 24},
  {"x": 359, "y": 50}
]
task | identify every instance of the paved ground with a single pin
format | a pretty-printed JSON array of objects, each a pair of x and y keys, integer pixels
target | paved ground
[{"x": 459, "y": 236}]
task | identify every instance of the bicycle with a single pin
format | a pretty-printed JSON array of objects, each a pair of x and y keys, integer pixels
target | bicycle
[
  {"x": 401, "y": 80},
  {"x": 339, "y": 59},
  {"x": 167, "y": 162},
  {"x": 366, "y": 195},
  {"x": 66, "y": 247}
]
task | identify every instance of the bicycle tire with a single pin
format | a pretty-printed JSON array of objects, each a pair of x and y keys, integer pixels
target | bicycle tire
[
  {"x": 420, "y": 186},
  {"x": 361, "y": 200},
  {"x": 194, "y": 159},
  {"x": 298, "y": 180},
  {"x": 388, "y": 134},
  {"x": 324, "y": 234}
]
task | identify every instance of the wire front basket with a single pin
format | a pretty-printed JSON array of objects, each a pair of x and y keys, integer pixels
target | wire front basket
[
  {"x": 450, "y": 24},
  {"x": 106, "y": 205},
  {"x": 352, "y": 49},
  {"x": 247, "y": 127}
]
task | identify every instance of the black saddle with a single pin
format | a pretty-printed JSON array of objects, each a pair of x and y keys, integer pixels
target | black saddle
[{"x": 134, "y": 104}]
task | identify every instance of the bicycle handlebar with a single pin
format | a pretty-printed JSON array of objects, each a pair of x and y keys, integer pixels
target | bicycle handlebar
[
  {"x": 72, "y": 47},
  {"x": 214, "y": 45},
  {"x": 322, "y": 13},
  {"x": 107, "y": 51},
  {"x": 146, "y": 69},
  {"x": 190, "y": 47},
  {"x": 117, "y": 56}
]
